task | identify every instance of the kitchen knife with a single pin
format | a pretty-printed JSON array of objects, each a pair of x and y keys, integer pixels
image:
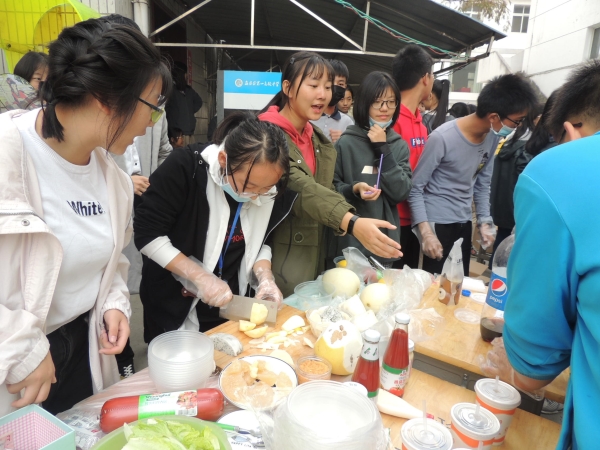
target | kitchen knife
[{"x": 240, "y": 307}]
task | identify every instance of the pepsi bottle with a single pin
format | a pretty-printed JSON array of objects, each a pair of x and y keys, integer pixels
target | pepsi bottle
[{"x": 492, "y": 314}]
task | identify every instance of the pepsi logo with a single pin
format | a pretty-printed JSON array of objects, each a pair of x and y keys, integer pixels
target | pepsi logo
[{"x": 499, "y": 287}]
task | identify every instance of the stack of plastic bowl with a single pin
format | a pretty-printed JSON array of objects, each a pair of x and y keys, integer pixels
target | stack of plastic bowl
[
  {"x": 314, "y": 294},
  {"x": 181, "y": 360},
  {"x": 327, "y": 415}
]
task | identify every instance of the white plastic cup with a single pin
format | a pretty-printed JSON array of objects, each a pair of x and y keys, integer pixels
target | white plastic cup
[
  {"x": 502, "y": 400},
  {"x": 468, "y": 429},
  {"x": 416, "y": 437}
]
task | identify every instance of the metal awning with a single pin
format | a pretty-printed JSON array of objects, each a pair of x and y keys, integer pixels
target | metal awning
[{"x": 260, "y": 34}]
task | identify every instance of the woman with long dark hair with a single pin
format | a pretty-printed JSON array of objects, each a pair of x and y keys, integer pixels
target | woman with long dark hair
[
  {"x": 65, "y": 215},
  {"x": 437, "y": 106},
  {"x": 205, "y": 218},
  {"x": 299, "y": 249}
]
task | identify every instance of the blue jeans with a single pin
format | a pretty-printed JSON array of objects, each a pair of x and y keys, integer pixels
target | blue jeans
[{"x": 69, "y": 348}]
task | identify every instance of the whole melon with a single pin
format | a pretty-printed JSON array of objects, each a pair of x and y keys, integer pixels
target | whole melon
[
  {"x": 375, "y": 295},
  {"x": 345, "y": 281}
]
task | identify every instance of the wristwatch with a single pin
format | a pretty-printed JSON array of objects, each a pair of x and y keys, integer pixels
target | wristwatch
[{"x": 351, "y": 223}]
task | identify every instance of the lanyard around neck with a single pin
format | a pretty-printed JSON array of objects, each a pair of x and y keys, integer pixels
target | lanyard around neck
[{"x": 231, "y": 232}]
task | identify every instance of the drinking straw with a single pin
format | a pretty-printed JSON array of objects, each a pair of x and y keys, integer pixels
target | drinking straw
[
  {"x": 378, "y": 175},
  {"x": 477, "y": 407},
  {"x": 497, "y": 384},
  {"x": 480, "y": 446},
  {"x": 425, "y": 415}
]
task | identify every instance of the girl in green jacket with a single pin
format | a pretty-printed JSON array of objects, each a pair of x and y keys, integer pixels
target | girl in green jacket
[
  {"x": 299, "y": 249},
  {"x": 372, "y": 170}
]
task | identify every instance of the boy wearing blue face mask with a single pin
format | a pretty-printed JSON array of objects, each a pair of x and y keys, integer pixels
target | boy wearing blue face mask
[
  {"x": 333, "y": 122},
  {"x": 455, "y": 169},
  {"x": 372, "y": 170}
]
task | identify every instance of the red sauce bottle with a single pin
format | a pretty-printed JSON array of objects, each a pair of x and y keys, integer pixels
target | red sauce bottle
[
  {"x": 367, "y": 368},
  {"x": 394, "y": 370}
]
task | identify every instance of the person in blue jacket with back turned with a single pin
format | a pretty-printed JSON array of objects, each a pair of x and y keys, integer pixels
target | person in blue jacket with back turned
[{"x": 553, "y": 309}]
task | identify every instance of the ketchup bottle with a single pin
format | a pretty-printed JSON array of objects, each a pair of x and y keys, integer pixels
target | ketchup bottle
[
  {"x": 367, "y": 368},
  {"x": 394, "y": 370}
]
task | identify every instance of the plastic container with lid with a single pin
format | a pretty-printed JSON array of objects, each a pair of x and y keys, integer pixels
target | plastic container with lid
[
  {"x": 416, "y": 436},
  {"x": 469, "y": 428},
  {"x": 314, "y": 294},
  {"x": 327, "y": 415},
  {"x": 501, "y": 399},
  {"x": 310, "y": 368}
]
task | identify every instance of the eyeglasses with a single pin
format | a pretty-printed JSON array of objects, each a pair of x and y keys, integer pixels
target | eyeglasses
[
  {"x": 156, "y": 111},
  {"x": 564, "y": 133},
  {"x": 516, "y": 122},
  {"x": 390, "y": 104},
  {"x": 266, "y": 196}
]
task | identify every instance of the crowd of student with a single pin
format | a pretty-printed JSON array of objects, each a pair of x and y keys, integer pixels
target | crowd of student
[{"x": 274, "y": 197}]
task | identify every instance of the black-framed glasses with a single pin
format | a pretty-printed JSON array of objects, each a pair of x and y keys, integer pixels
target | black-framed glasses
[
  {"x": 390, "y": 104},
  {"x": 516, "y": 122},
  {"x": 564, "y": 133},
  {"x": 267, "y": 195},
  {"x": 156, "y": 111}
]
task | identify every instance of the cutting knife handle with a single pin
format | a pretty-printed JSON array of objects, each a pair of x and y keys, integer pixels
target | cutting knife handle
[{"x": 187, "y": 293}]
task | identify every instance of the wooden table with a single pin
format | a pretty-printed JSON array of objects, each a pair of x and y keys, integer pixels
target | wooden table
[
  {"x": 527, "y": 430},
  {"x": 460, "y": 345}
]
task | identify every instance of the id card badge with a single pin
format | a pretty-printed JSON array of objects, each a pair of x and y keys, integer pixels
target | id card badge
[{"x": 369, "y": 170}]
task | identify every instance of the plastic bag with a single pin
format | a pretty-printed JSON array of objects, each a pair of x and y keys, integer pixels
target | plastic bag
[
  {"x": 360, "y": 265},
  {"x": 452, "y": 276}
]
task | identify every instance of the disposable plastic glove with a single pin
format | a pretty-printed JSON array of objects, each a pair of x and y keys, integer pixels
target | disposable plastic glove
[
  {"x": 267, "y": 288},
  {"x": 209, "y": 288},
  {"x": 488, "y": 234},
  {"x": 496, "y": 364},
  {"x": 432, "y": 246}
]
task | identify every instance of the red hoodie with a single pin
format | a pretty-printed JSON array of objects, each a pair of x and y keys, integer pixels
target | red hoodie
[
  {"x": 303, "y": 142},
  {"x": 413, "y": 131}
]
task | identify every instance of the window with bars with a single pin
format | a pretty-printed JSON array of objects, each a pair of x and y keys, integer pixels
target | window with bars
[
  {"x": 520, "y": 19},
  {"x": 595, "y": 53}
]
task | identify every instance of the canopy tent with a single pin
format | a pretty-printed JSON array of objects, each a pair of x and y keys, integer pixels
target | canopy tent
[
  {"x": 30, "y": 25},
  {"x": 260, "y": 34}
]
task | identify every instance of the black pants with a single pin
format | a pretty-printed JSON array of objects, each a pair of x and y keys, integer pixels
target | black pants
[
  {"x": 69, "y": 348},
  {"x": 501, "y": 234},
  {"x": 447, "y": 235},
  {"x": 410, "y": 249}
]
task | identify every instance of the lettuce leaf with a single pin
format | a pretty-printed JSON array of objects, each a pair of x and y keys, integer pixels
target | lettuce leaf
[{"x": 158, "y": 434}]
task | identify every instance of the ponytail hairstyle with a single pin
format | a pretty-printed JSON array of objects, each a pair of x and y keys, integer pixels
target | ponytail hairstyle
[
  {"x": 97, "y": 59},
  {"x": 373, "y": 87},
  {"x": 441, "y": 89},
  {"x": 300, "y": 66},
  {"x": 248, "y": 140}
]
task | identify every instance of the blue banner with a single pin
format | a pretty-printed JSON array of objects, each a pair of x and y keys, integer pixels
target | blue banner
[{"x": 238, "y": 82}]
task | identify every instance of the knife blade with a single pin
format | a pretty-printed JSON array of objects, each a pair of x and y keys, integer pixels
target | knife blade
[{"x": 240, "y": 307}]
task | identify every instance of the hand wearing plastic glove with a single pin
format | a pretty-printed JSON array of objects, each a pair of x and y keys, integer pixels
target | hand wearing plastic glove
[
  {"x": 488, "y": 234},
  {"x": 430, "y": 244},
  {"x": 496, "y": 364},
  {"x": 209, "y": 288},
  {"x": 267, "y": 288}
]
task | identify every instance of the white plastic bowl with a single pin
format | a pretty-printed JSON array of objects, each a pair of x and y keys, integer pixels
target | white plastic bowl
[{"x": 180, "y": 360}]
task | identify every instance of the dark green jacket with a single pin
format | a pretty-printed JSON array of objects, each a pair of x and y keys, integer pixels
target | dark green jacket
[
  {"x": 355, "y": 157},
  {"x": 298, "y": 246}
]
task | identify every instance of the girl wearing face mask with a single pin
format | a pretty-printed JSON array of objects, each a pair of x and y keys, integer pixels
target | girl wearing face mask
[
  {"x": 216, "y": 203},
  {"x": 362, "y": 150},
  {"x": 299, "y": 250}
]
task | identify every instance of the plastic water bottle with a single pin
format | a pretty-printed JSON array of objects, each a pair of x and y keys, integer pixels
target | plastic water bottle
[{"x": 492, "y": 314}]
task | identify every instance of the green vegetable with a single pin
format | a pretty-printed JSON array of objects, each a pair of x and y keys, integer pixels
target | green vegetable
[{"x": 158, "y": 434}]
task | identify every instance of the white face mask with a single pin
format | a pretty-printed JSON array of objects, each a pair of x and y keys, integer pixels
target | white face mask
[{"x": 383, "y": 125}]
